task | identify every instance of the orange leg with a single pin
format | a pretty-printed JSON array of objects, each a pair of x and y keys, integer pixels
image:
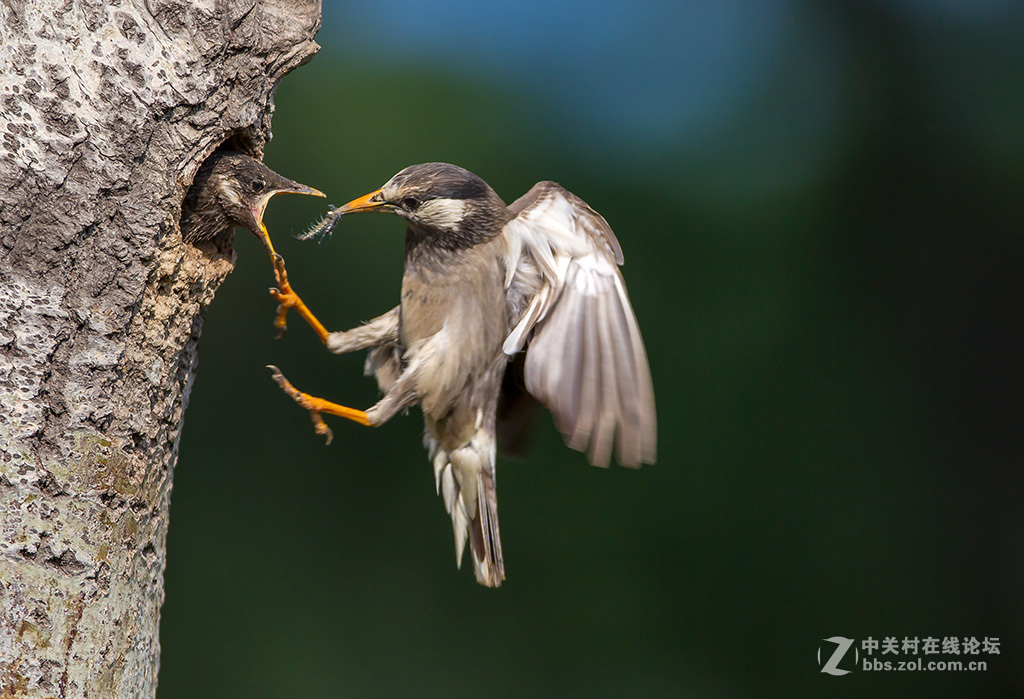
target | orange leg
[
  {"x": 315, "y": 406},
  {"x": 287, "y": 298},
  {"x": 285, "y": 295}
]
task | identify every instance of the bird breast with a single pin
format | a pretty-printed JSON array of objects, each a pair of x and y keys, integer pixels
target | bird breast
[{"x": 453, "y": 323}]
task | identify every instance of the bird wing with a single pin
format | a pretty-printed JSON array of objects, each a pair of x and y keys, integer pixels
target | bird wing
[{"x": 585, "y": 359}]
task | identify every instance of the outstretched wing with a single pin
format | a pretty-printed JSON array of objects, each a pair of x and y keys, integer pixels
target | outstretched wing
[{"x": 585, "y": 359}]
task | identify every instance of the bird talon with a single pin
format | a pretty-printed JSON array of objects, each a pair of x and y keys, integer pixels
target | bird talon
[
  {"x": 280, "y": 272},
  {"x": 316, "y": 406},
  {"x": 286, "y": 299},
  {"x": 320, "y": 427}
]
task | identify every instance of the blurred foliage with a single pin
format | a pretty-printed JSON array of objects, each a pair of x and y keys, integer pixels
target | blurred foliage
[{"x": 827, "y": 274}]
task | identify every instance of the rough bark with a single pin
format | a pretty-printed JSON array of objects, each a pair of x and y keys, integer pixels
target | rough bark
[{"x": 107, "y": 109}]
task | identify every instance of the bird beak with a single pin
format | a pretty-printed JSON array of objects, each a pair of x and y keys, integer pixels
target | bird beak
[
  {"x": 374, "y": 201},
  {"x": 287, "y": 187},
  {"x": 297, "y": 188},
  {"x": 260, "y": 206}
]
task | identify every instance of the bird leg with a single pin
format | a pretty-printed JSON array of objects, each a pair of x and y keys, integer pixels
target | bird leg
[
  {"x": 286, "y": 298},
  {"x": 380, "y": 330},
  {"x": 400, "y": 396},
  {"x": 315, "y": 406}
]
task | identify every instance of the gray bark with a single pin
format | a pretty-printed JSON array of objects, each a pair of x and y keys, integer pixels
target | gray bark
[{"x": 107, "y": 109}]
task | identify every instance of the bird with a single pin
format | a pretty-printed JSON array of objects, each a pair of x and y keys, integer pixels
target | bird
[
  {"x": 502, "y": 308},
  {"x": 233, "y": 189}
]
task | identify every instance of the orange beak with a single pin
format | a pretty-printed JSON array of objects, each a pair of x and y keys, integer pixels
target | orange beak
[{"x": 374, "y": 201}]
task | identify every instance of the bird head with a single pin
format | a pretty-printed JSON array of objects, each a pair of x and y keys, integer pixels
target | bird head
[
  {"x": 244, "y": 186},
  {"x": 445, "y": 203}
]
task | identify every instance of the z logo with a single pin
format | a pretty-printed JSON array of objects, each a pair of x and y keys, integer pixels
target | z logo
[{"x": 832, "y": 665}]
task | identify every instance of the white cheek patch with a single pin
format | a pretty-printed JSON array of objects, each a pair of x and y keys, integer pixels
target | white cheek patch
[
  {"x": 231, "y": 194},
  {"x": 445, "y": 214}
]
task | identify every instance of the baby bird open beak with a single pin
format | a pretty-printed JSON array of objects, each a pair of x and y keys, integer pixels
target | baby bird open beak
[{"x": 258, "y": 206}]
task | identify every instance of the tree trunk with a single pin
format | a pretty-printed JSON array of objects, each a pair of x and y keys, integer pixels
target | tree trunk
[{"x": 107, "y": 109}]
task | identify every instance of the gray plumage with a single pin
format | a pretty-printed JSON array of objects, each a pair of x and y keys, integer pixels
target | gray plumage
[{"x": 483, "y": 283}]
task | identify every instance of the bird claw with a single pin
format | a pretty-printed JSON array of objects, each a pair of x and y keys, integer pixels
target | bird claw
[
  {"x": 279, "y": 269},
  {"x": 281, "y": 273},
  {"x": 319, "y": 426},
  {"x": 284, "y": 295},
  {"x": 285, "y": 300}
]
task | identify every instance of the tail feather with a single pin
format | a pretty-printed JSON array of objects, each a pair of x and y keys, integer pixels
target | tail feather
[
  {"x": 460, "y": 524},
  {"x": 465, "y": 480},
  {"x": 485, "y": 538}
]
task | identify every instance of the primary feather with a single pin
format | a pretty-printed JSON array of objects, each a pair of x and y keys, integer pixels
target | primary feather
[{"x": 585, "y": 359}]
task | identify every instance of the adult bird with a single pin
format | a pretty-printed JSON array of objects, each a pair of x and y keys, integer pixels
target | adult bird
[
  {"x": 232, "y": 189},
  {"x": 484, "y": 281}
]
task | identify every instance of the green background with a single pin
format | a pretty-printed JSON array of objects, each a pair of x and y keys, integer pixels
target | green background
[{"x": 823, "y": 246}]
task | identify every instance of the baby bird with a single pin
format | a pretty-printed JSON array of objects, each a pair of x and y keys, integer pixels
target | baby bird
[{"x": 231, "y": 189}]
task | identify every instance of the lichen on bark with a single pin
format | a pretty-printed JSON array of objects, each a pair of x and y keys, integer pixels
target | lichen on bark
[{"x": 107, "y": 109}]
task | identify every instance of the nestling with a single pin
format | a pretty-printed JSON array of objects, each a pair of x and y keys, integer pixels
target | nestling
[
  {"x": 231, "y": 189},
  {"x": 496, "y": 298}
]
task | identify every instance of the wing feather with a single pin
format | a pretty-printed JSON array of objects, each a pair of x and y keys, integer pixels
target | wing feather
[{"x": 585, "y": 359}]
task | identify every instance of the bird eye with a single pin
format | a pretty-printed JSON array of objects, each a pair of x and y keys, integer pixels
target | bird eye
[
  {"x": 258, "y": 184},
  {"x": 410, "y": 203}
]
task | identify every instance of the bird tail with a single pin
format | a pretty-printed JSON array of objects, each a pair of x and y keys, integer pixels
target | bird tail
[
  {"x": 484, "y": 536},
  {"x": 466, "y": 480}
]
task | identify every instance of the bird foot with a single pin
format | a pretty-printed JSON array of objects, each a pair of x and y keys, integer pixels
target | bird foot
[
  {"x": 287, "y": 298},
  {"x": 284, "y": 295},
  {"x": 315, "y": 406}
]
